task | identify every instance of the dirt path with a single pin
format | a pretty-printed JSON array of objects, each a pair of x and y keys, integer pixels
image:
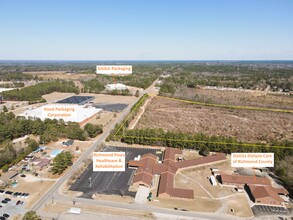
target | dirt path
[
  {"x": 79, "y": 85},
  {"x": 136, "y": 119}
]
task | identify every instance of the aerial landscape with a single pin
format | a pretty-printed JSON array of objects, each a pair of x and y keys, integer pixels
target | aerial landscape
[{"x": 146, "y": 110}]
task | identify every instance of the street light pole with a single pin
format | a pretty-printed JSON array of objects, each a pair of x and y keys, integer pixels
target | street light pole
[{"x": 90, "y": 179}]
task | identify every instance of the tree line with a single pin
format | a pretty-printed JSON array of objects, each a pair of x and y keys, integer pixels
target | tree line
[
  {"x": 34, "y": 93},
  {"x": 197, "y": 141},
  {"x": 12, "y": 127},
  {"x": 121, "y": 127}
]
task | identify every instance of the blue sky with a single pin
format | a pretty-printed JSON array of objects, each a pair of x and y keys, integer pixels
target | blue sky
[{"x": 146, "y": 29}]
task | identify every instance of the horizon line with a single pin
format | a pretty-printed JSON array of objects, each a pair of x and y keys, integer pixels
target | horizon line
[{"x": 149, "y": 60}]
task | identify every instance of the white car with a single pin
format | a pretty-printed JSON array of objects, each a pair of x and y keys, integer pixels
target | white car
[{"x": 27, "y": 195}]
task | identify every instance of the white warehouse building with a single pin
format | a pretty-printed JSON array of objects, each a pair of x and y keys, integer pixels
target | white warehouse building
[
  {"x": 117, "y": 86},
  {"x": 67, "y": 112}
]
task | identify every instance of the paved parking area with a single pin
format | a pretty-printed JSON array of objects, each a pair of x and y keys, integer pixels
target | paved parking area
[
  {"x": 111, "y": 107},
  {"x": 109, "y": 182},
  {"x": 11, "y": 208},
  {"x": 259, "y": 210}
]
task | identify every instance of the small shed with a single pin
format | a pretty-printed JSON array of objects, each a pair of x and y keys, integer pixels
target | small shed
[
  {"x": 213, "y": 180},
  {"x": 67, "y": 143}
]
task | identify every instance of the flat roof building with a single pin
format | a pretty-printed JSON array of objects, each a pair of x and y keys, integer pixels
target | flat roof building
[
  {"x": 67, "y": 112},
  {"x": 79, "y": 100},
  {"x": 239, "y": 180},
  {"x": 117, "y": 86}
]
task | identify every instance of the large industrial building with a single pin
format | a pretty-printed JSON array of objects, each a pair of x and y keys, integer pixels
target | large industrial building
[{"x": 69, "y": 109}]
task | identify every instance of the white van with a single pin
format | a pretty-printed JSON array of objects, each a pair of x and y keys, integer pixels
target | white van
[{"x": 74, "y": 210}]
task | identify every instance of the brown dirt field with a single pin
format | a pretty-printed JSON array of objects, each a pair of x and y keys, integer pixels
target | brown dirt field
[
  {"x": 190, "y": 154},
  {"x": 30, "y": 187},
  {"x": 99, "y": 98},
  {"x": 239, "y": 205},
  {"x": 60, "y": 75},
  {"x": 245, "y": 125},
  {"x": 200, "y": 205},
  {"x": 116, "y": 198},
  {"x": 56, "y": 96},
  {"x": 191, "y": 177},
  {"x": 104, "y": 118},
  {"x": 60, "y": 207},
  {"x": 241, "y": 98}
]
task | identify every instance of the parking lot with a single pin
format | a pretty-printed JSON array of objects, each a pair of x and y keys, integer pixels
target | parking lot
[
  {"x": 117, "y": 107},
  {"x": 10, "y": 207},
  {"x": 268, "y": 210},
  {"x": 109, "y": 182}
]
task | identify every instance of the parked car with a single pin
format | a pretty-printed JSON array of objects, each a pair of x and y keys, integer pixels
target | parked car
[
  {"x": 2, "y": 218},
  {"x": 27, "y": 195},
  {"x": 6, "y": 215},
  {"x": 15, "y": 194},
  {"x": 21, "y": 203},
  {"x": 8, "y": 193},
  {"x": 18, "y": 202},
  {"x": 22, "y": 175},
  {"x": 1, "y": 206},
  {"x": 2, "y": 191},
  {"x": 7, "y": 199},
  {"x": 23, "y": 195},
  {"x": 4, "y": 201}
]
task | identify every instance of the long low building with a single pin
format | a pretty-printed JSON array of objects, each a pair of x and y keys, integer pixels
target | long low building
[
  {"x": 117, "y": 86},
  {"x": 149, "y": 166},
  {"x": 239, "y": 180},
  {"x": 259, "y": 188},
  {"x": 67, "y": 112}
]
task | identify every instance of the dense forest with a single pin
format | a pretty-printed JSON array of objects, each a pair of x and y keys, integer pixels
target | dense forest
[
  {"x": 34, "y": 93},
  {"x": 12, "y": 126},
  {"x": 232, "y": 76}
]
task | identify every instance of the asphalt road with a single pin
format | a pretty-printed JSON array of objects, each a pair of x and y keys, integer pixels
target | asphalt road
[{"x": 147, "y": 208}]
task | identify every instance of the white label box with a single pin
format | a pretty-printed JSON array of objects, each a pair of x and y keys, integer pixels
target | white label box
[
  {"x": 108, "y": 161},
  {"x": 252, "y": 160},
  {"x": 114, "y": 69},
  {"x": 65, "y": 112}
]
